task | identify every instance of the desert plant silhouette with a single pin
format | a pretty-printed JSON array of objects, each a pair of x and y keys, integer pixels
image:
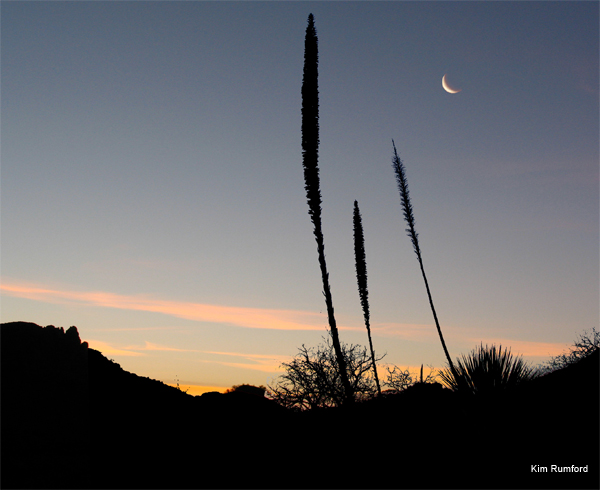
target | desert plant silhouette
[
  {"x": 246, "y": 388},
  {"x": 310, "y": 158},
  {"x": 312, "y": 379},
  {"x": 487, "y": 370},
  {"x": 399, "y": 380},
  {"x": 414, "y": 236},
  {"x": 361, "y": 279},
  {"x": 587, "y": 344}
]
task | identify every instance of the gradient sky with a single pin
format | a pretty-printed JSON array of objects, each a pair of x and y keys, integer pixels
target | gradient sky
[{"x": 153, "y": 191}]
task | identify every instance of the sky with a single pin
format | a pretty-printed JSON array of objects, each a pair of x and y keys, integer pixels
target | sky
[{"x": 152, "y": 190}]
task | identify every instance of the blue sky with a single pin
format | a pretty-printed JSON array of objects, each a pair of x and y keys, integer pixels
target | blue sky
[{"x": 153, "y": 194}]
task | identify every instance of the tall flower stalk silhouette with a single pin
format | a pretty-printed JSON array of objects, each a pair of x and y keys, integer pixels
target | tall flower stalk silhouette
[
  {"x": 414, "y": 236},
  {"x": 361, "y": 279},
  {"x": 310, "y": 159}
]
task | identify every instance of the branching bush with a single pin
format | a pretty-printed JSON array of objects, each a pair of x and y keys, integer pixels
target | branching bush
[
  {"x": 587, "y": 343},
  {"x": 399, "y": 380},
  {"x": 246, "y": 388},
  {"x": 487, "y": 370},
  {"x": 312, "y": 379}
]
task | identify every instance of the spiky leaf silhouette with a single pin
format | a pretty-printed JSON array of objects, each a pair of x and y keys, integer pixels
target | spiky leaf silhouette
[{"x": 488, "y": 370}]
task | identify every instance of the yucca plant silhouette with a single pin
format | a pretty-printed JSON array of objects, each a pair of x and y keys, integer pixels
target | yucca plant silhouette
[
  {"x": 414, "y": 236},
  {"x": 488, "y": 370},
  {"x": 361, "y": 279},
  {"x": 310, "y": 158}
]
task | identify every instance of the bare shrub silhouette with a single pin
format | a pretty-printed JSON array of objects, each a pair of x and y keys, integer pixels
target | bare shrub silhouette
[
  {"x": 488, "y": 370},
  {"x": 246, "y": 388},
  {"x": 398, "y": 379},
  {"x": 587, "y": 343},
  {"x": 312, "y": 379},
  {"x": 310, "y": 159}
]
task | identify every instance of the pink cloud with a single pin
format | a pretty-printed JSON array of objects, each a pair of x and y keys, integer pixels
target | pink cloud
[
  {"x": 231, "y": 315},
  {"x": 257, "y": 362},
  {"x": 526, "y": 348},
  {"x": 259, "y": 318},
  {"x": 156, "y": 347},
  {"x": 109, "y": 350}
]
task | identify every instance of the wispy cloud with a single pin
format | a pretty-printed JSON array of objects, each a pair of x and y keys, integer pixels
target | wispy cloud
[
  {"x": 149, "y": 346},
  {"x": 256, "y": 362},
  {"x": 524, "y": 347},
  {"x": 132, "y": 350},
  {"x": 110, "y": 350},
  {"x": 468, "y": 337},
  {"x": 407, "y": 331},
  {"x": 230, "y": 315},
  {"x": 135, "y": 329},
  {"x": 254, "y": 318}
]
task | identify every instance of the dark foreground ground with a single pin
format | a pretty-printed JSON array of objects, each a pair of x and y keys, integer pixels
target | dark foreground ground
[{"x": 73, "y": 419}]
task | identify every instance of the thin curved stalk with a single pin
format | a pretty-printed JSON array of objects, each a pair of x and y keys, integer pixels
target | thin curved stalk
[{"x": 414, "y": 236}]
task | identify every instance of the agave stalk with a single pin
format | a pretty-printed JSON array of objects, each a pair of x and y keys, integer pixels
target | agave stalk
[
  {"x": 361, "y": 279},
  {"x": 310, "y": 159},
  {"x": 414, "y": 236}
]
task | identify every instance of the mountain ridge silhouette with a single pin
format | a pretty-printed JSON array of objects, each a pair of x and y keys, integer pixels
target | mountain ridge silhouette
[{"x": 71, "y": 418}]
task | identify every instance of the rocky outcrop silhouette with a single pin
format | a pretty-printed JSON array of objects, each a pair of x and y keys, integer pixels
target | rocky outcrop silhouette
[{"x": 45, "y": 407}]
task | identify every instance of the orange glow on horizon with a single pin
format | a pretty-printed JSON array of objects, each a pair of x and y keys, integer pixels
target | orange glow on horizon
[{"x": 197, "y": 390}]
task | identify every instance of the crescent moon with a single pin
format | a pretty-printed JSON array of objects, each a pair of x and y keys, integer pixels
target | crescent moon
[{"x": 448, "y": 88}]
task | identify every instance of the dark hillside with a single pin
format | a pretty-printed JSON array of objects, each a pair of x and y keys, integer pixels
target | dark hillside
[
  {"x": 73, "y": 419},
  {"x": 45, "y": 406},
  {"x": 150, "y": 435},
  {"x": 563, "y": 414}
]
